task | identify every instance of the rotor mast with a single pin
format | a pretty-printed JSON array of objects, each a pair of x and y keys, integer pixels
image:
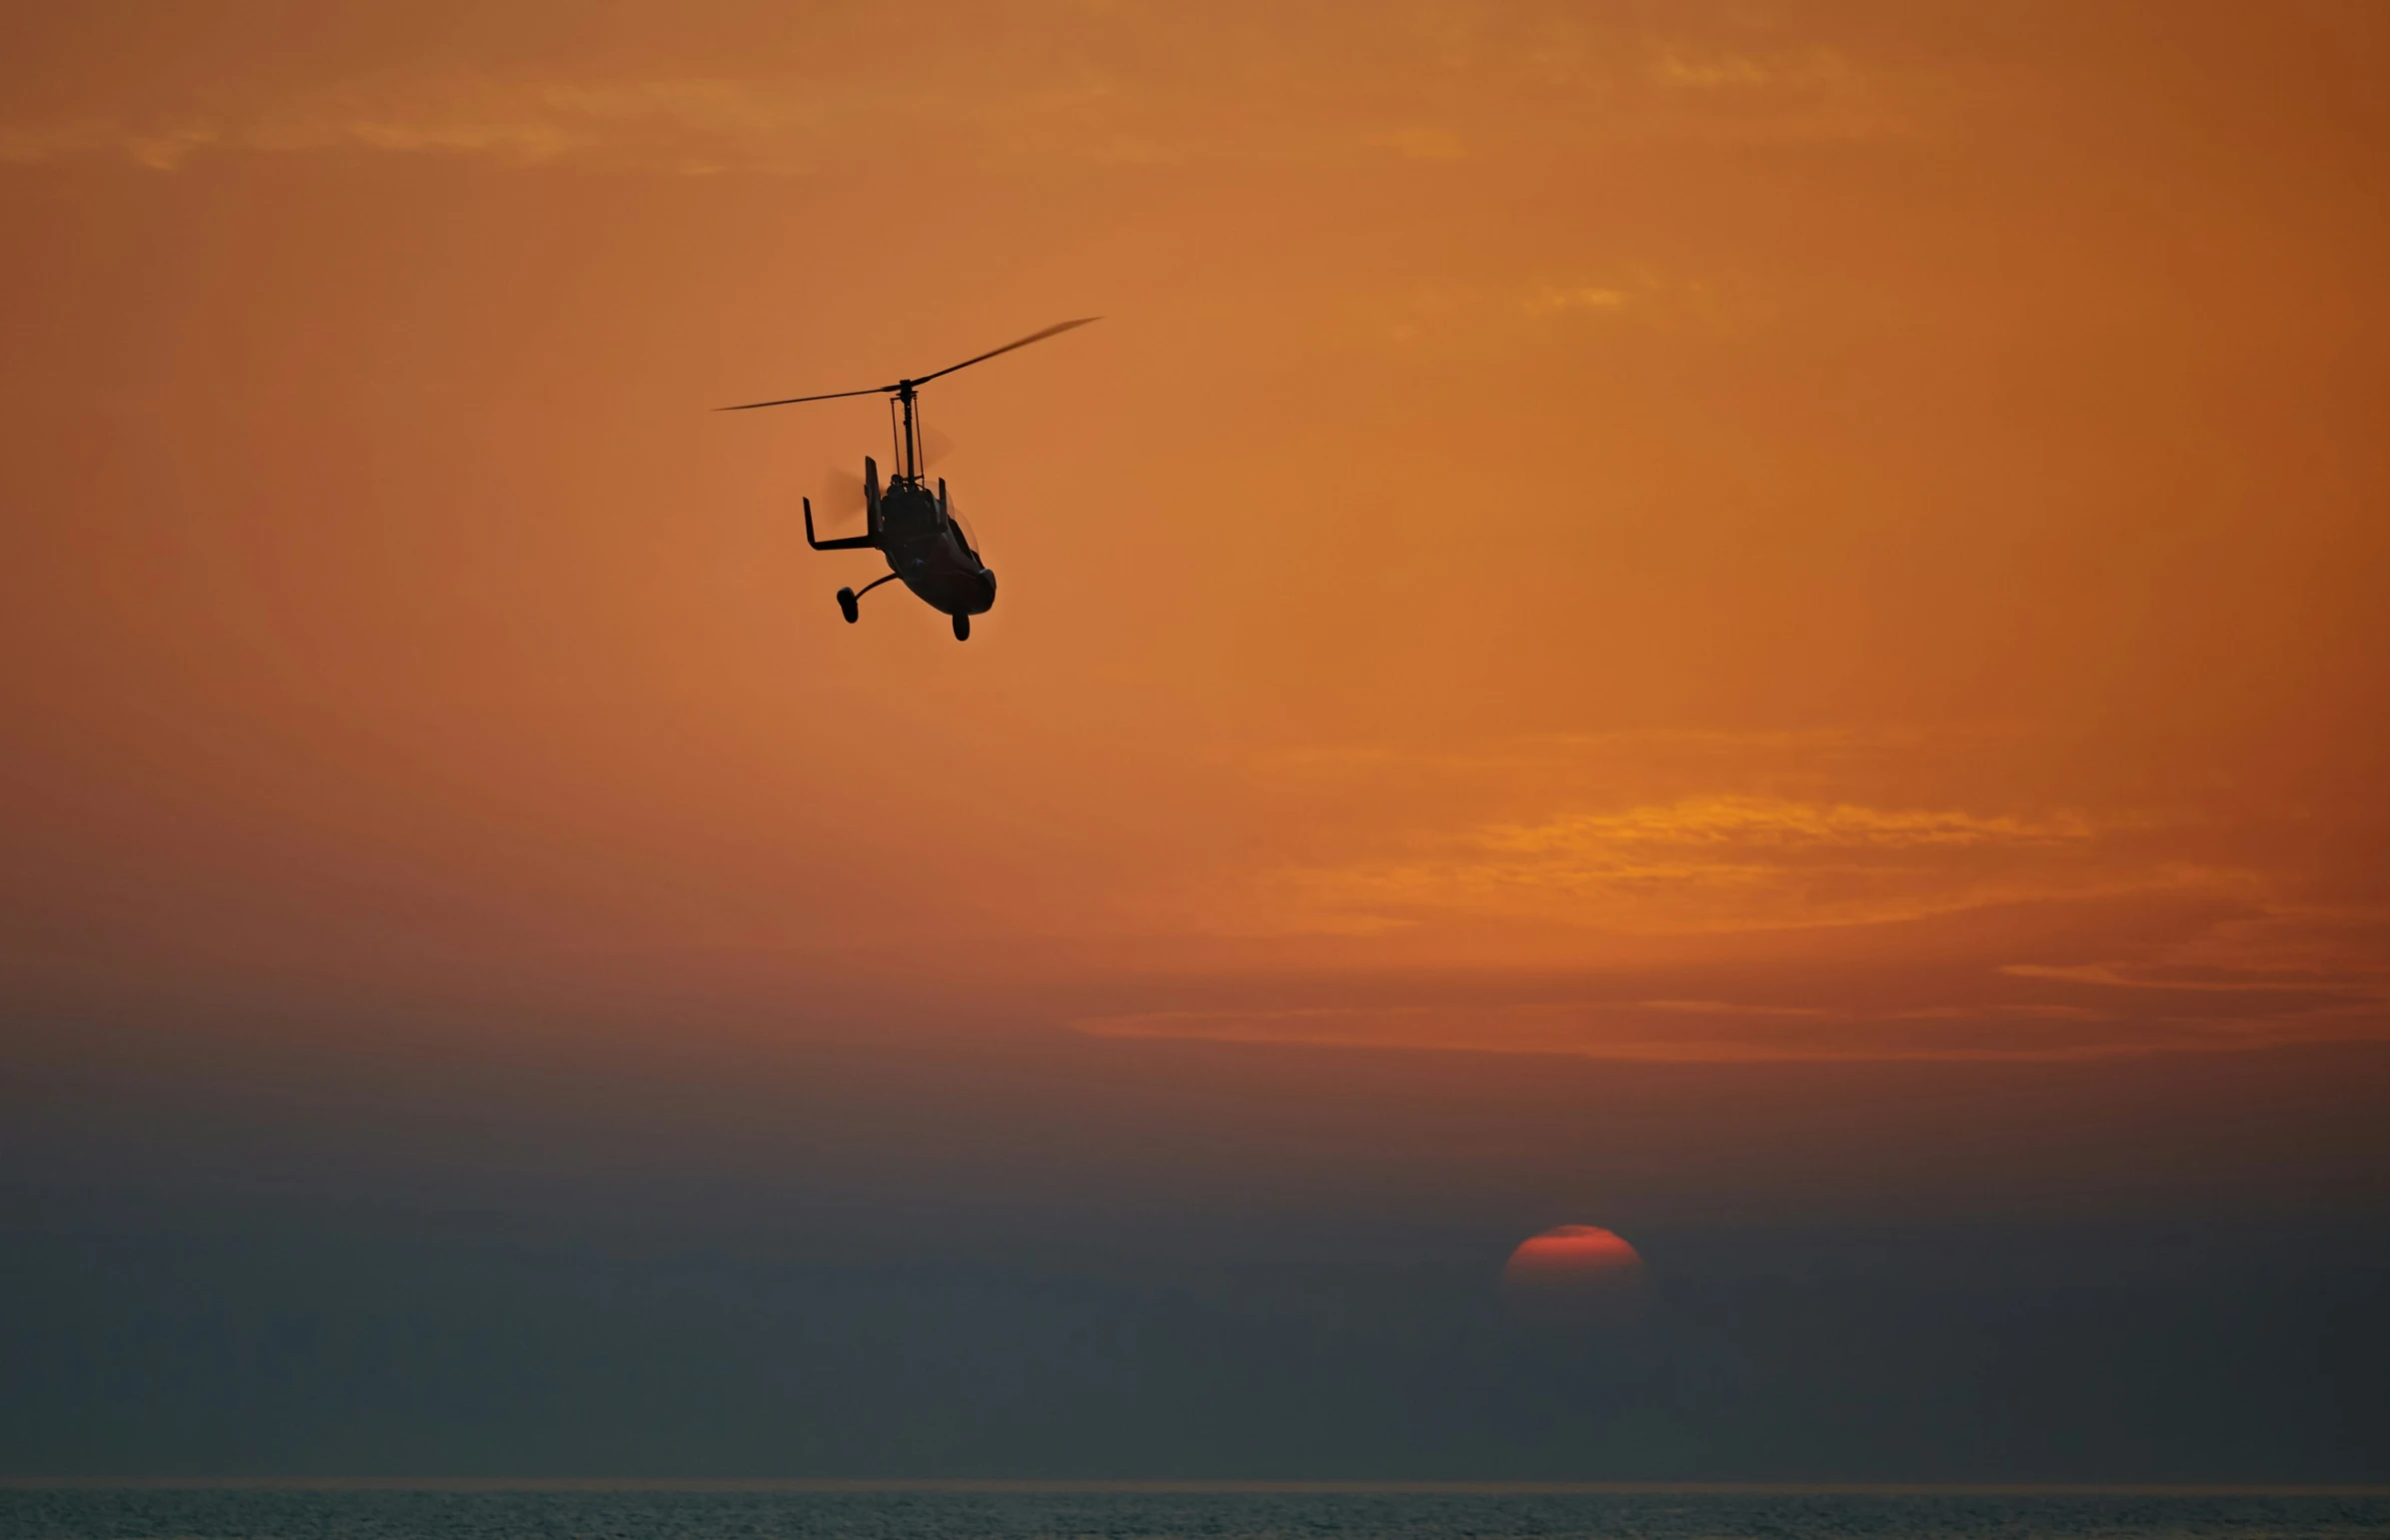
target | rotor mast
[{"x": 912, "y": 435}]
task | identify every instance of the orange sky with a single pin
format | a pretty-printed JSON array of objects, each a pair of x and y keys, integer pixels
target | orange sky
[{"x": 1700, "y": 531}]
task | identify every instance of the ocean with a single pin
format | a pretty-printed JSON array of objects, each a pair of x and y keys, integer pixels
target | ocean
[{"x": 364, "y": 1512}]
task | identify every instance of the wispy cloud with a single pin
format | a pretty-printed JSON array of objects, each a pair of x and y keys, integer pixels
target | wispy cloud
[
  {"x": 1809, "y": 92},
  {"x": 1630, "y": 1029},
  {"x": 687, "y": 123},
  {"x": 1957, "y": 1002},
  {"x": 1773, "y": 895},
  {"x": 1727, "y": 862},
  {"x": 1061, "y": 84},
  {"x": 2336, "y": 955},
  {"x": 1551, "y": 299},
  {"x": 1731, "y": 819}
]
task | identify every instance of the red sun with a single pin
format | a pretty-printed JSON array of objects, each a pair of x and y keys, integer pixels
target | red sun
[{"x": 1575, "y": 1274}]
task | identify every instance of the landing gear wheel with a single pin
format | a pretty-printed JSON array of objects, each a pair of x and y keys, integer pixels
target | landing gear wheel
[
  {"x": 847, "y": 606},
  {"x": 962, "y": 627}
]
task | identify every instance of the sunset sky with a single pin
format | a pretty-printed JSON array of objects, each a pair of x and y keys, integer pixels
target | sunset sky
[{"x": 1756, "y": 625}]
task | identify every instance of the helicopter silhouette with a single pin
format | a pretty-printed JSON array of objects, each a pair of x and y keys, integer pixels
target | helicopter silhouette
[{"x": 923, "y": 537}]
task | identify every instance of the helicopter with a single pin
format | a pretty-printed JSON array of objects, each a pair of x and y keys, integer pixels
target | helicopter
[{"x": 923, "y": 538}]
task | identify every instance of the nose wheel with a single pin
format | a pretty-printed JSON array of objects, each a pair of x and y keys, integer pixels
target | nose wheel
[
  {"x": 962, "y": 627},
  {"x": 848, "y": 607}
]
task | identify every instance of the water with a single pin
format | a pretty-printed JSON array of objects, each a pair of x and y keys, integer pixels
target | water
[{"x": 300, "y": 1514}]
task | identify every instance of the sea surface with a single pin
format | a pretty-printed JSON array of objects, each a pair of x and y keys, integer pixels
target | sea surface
[{"x": 293, "y": 1513}]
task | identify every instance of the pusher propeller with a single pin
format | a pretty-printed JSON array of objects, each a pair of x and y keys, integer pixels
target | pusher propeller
[{"x": 843, "y": 498}]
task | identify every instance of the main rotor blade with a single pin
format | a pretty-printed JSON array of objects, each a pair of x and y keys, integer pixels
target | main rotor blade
[
  {"x": 890, "y": 389},
  {"x": 791, "y": 401},
  {"x": 1006, "y": 348}
]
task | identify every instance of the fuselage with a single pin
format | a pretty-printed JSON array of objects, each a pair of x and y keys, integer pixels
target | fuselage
[{"x": 926, "y": 550}]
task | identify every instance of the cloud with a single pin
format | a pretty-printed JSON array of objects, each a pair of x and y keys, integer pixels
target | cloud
[
  {"x": 1731, "y": 819},
  {"x": 1807, "y": 93},
  {"x": 1549, "y": 299},
  {"x": 1896, "y": 1000},
  {"x": 1704, "y": 1032},
  {"x": 1827, "y": 893},
  {"x": 686, "y": 123},
  {"x": 2335, "y": 958},
  {"x": 26, "y": 144},
  {"x": 1674, "y": 1031},
  {"x": 1034, "y": 86},
  {"x": 1731, "y": 861}
]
